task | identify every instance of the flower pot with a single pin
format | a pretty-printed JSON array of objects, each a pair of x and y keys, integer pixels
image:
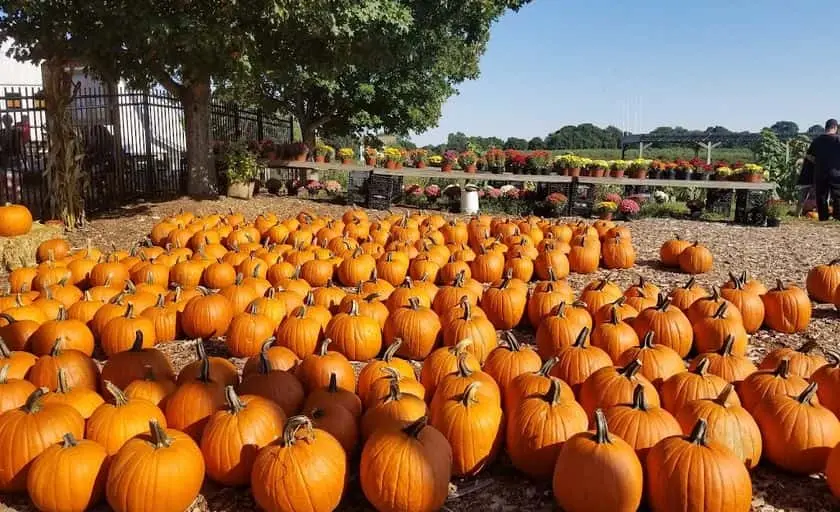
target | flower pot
[
  {"x": 301, "y": 157},
  {"x": 241, "y": 190},
  {"x": 419, "y": 165},
  {"x": 390, "y": 164},
  {"x": 638, "y": 174},
  {"x": 399, "y": 165},
  {"x": 752, "y": 177},
  {"x": 319, "y": 159},
  {"x": 605, "y": 215},
  {"x": 574, "y": 171},
  {"x": 346, "y": 161},
  {"x": 446, "y": 167},
  {"x": 653, "y": 174},
  {"x": 617, "y": 173},
  {"x": 773, "y": 223},
  {"x": 681, "y": 174},
  {"x": 370, "y": 161},
  {"x": 471, "y": 169},
  {"x": 597, "y": 173}
]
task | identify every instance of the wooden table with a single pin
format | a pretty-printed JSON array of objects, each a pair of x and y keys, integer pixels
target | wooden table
[{"x": 382, "y": 186}]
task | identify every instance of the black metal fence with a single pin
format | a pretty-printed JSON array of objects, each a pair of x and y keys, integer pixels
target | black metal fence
[{"x": 133, "y": 141}]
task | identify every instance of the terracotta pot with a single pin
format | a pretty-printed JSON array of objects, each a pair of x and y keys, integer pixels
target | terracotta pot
[
  {"x": 390, "y": 164},
  {"x": 419, "y": 165},
  {"x": 752, "y": 177},
  {"x": 617, "y": 173},
  {"x": 319, "y": 159},
  {"x": 574, "y": 171},
  {"x": 301, "y": 157},
  {"x": 446, "y": 167},
  {"x": 597, "y": 173},
  {"x": 639, "y": 174},
  {"x": 471, "y": 168},
  {"x": 346, "y": 161},
  {"x": 399, "y": 165},
  {"x": 370, "y": 161},
  {"x": 605, "y": 215}
]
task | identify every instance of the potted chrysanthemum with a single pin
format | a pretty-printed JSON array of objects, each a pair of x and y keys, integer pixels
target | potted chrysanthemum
[
  {"x": 467, "y": 161},
  {"x": 346, "y": 155}
]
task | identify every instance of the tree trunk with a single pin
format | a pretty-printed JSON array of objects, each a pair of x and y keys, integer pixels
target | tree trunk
[
  {"x": 202, "y": 179},
  {"x": 307, "y": 130}
]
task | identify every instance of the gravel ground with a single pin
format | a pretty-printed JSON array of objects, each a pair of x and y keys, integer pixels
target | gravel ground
[{"x": 768, "y": 254}]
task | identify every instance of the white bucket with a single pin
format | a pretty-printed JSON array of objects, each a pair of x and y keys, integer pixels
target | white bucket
[{"x": 469, "y": 202}]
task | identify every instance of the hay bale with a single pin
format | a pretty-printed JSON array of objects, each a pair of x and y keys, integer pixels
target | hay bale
[{"x": 18, "y": 251}]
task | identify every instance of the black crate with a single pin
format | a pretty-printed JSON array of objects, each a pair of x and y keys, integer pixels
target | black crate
[
  {"x": 383, "y": 190},
  {"x": 719, "y": 202},
  {"x": 357, "y": 190},
  {"x": 750, "y": 207}
]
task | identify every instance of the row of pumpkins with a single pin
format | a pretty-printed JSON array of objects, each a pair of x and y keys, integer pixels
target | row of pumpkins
[{"x": 600, "y": 357}]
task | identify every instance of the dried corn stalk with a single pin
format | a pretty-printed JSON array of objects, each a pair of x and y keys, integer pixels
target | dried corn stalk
[{"x": 66, "y": 179}]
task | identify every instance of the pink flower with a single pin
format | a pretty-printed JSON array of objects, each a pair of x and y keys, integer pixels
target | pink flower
[
  {"x": 433, "y": 191},
  {"x": 314, "y": 185},
  {"x": 613, "y": 198},
  {"x": 494, "y": 193},
  {"x": 332, "y": 186},
  {"x": 512, "y": 193},
  {"x": 414, "y": 189},
  {"x": 629, "y": 206}
]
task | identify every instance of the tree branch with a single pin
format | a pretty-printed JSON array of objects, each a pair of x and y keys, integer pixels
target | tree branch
[{"x": 168, "y": 83}]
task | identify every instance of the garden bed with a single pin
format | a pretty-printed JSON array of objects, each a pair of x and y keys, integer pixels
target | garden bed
[{"x": 787, "y": 252}]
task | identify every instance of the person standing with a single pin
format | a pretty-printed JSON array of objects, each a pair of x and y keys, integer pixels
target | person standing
[{"x": 823, "y": 159}]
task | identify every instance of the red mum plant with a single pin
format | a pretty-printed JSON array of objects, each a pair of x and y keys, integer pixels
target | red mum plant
[
  {"x": 538, "y": 159},
  {"x": 613, "y": 198},
  {"x": 629, "y": 207},
  {"x": 557, "y": 198},
  {"x": 495, "y": 158},
  {"x": 516, "y": 160}
]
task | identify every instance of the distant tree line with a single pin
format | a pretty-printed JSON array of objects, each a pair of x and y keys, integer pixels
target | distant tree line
[{"x": 589, "y": 136}]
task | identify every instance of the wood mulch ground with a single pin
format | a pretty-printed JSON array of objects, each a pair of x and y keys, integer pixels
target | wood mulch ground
[{"x": 769, "y": 254}]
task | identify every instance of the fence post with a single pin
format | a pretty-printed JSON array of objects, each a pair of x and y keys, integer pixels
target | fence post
[
  {"x": 237, "y": 128},
  {"x": 260, "y": 132},
  {"x": 147, "y": 132}
]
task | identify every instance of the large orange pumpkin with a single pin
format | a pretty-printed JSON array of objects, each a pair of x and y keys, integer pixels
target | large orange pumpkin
[
  {"x": 787, "y": 309},
  {"x": 822, "y": 281}
]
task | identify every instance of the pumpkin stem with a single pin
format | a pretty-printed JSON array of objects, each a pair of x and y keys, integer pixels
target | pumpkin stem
[
  {"x": 662, "y": 302},
  {"x": 553, "y": 395},
  {"x": 460, "y": 277},
  {"x": 354, "y": 308},
  {"x": 392, "y": 349},
  {"x": 4, "y": 373},
  {"x": 414, "y": 303},
  {"x": 119, "y": 397},
  {"x": 394, "y": 392},
  {"x": 33, "y": 402},
  {"x": 461, "y": 347},
  {"x": 631, "y": 369},
  {"x": 726, "y": 348},
  {"x": 647, "y": 340},
  {"x": 204, "y": 374},
  {"x": 160, "y": 439},
  {"x": 702, "y": 366},
  {"x": 807, "y": 394},
  {"x": 465, "y": 304},
  {"x": 551, "y": 275},
  {"x": 582, "y": 337},
  {"x": 639, "y": 400},
  {"x": 129, "y": 310},
  {"x": 323, "y": 347},
  {"x": 372, "y": 297},
  {"x": 309, "y": 299},
  {"x": 721, "y": 311},
  {"x": 690, "y": 283},
  {"x": 723, "y": 397},
  {"x": 463, "y": 368},
  {"x": 780, "y": 286},
  {"x": 807, "y": 347},
  {"x": 233, "y": 401},
  {"x": 614, "y": 315},
  {"x": 511, "y": 341},
  {"x": 831, "y": 354},
  {"x": 416, "y": 427},
  {"x": 69, "y": 440},
  {"x": 149, "y": 373},
  {"x": 5, "y": 353},
  {"x": 62, "y": 313},
  {"x": 547, "y": 366},
  {"x": 698, "y": 433},
  {"x": 301, "y": 311},
  {"x": 200, "y": 351},
  {"x": 560, "y": 310},
  {"x": 783, "y": 370},
  {"x": 57, "y": 348},
  {"x": 332, "y": 387},
  {"x": 468, "y": 397},
  {"x": 137, "y": 346},
  {"x": 62, "y": 387},
  {"x": 407, "y": 283},
  {"x": 602, "y": 434},
  {"x": 601, "y": 284}
]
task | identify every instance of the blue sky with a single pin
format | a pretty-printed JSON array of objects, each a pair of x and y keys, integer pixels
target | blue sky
[{"x": 647, "y": 63}]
